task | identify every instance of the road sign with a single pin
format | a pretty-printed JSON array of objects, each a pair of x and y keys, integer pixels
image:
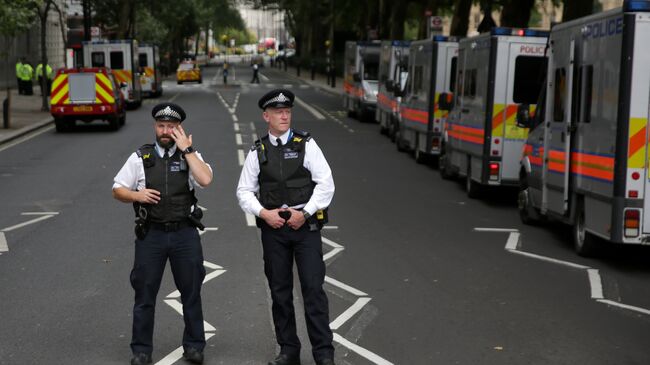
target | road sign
[{"x": 434, "y": 26}]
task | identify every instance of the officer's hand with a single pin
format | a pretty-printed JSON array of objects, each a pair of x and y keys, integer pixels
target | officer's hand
[
  {"x": 297, "y": 219},
  {"x": 182, "y": 140},
  {"x": 148, "y": 196},
  {"x": 272, "y": 218}
]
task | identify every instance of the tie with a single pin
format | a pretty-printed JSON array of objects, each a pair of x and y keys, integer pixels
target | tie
[
  {"x": 166, "y": 155},
  {"x": 279, "y": 142}
]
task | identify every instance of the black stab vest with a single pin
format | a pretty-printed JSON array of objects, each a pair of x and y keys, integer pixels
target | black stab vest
[
  {"x": 170, "y": 177},
  {"x": 283, "y": 179}
]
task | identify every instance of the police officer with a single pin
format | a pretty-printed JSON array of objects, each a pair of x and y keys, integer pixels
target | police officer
[
  {"x": 160, "y": 180},
  {"x": 285, "y": 181},
  {"x": 48, "y": 75},
  {"x": 19, "y": 75},
  {"x": 26, "y": 76},
  {"x": 256, "y": 71}
]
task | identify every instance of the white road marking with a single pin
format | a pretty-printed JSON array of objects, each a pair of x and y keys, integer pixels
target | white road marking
[
  {"x": 376, "y": 359},
  {"x": 330, "y": 227},
  {"x": 202, "y": 207},
  {"x": 303, "y": 86},
  {"x": 345, "y": 287},
  {"x": 625, "y": 306},
  {"x": 310, "y": 109},
  {"x": 3, "y": 243},
  {"x": 513, "y": 241},
  {"x": 250, "y": 220},
  {"x": 332, "y": 253},
  {"x": 596, "y": 284},
  {"x": 213, "y": 275},
  {"x": 212, "y": 266},
  {"x": 241, "y": 157},
  {"x": 25, "y": 138},
  {"x": 264, "y": 78},
  {"x": 178, "y": 353},
  {"x": 549, "y": 259},
  {"x": 252, "y": 125},
  {"x": 238, "y": 139},
  {"x": 236, "y": 126},
  {"x": 495, "y": 230},
  {"x": 207, "y": 229},
  {"x": 349, "y": 313},
  {"x": 234, "y": 117},
  {"x": 39, "y": 213},
  {"x": 254, "y": 135},
  {"x": 173, "y": 98},
  {"x": 8, "y": 229},
  {"x": 331, "y": 243}
]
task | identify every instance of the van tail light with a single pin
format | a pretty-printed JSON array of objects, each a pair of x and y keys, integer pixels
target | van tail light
[
  {"x": 435, "y": 143},
  {"x": 494, "y": 171},
  {"x": 632, "y": 222}
]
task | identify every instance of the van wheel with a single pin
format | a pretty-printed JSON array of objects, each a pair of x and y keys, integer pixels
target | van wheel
[
  {"x": 398, "y": 139},
  {"x": 392, "y": 126},
  {"x": 584, "y": 242},
  {"x": 527, "y": 212},
  {"x": 61, "y": 125},
  {"x": 472, "y": 188},
  {"x": 123, "y": 119},
  {"x": 420, "y": 157},
  {"x": 114, "y": 123},
  {"x": 444, "y": 167},
  {"x": 179, "y": 82}
]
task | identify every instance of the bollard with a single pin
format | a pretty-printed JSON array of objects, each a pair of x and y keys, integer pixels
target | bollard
[{"x": 5, "y": 113}]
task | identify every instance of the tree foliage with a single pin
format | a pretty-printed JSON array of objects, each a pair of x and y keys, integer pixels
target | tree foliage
[{"x": 16, "y": 16}]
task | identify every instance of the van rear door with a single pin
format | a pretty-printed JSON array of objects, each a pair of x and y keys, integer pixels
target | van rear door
[{"x": 82, "y": 88}]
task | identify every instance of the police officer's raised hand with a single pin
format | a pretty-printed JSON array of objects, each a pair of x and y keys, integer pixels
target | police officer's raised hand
[
  {"x": 148, "y": 196},
  {"x": 272, "y": 218},
  {"x": 182, "y": 140},
  {"x": 296, "y": 220}
]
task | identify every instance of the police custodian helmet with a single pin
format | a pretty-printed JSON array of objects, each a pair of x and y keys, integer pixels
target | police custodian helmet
[
  {"x": 168, "y": 112},
  {"x": 278, "y": 98}
]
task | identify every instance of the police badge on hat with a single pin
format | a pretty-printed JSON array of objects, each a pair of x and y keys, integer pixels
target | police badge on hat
[
  {"x": 168, "y": 112},
  {"x": 278, "y": 98}
]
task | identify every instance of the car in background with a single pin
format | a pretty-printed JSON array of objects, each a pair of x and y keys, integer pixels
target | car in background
[{"x": 188, "y": 71}]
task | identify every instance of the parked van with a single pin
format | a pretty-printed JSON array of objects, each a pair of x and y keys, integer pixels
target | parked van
[{"x": 360, "y": 75}]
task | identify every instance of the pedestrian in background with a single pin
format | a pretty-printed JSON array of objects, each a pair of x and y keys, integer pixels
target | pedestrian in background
[
  {"x": 48, "y": 75},
  {"x": 256, "y": 70},
  {"x": 19, "y": 77},
  {"x": 160, "y": 180},
  {"x": 287, "y": 184},
  {"x": 225, "y": 73},
  {"x": 26, "y": 77}
]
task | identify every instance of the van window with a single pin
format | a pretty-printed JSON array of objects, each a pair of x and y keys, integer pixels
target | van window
[
  {"x": 117, "y": 60},
  {"x": 529, "y": 75},
  {"x": 470, "y": 83},
  {"x": 97, "y": 59},
  {"x": 452, "y": 73},
  {"x": 142, "y": 60},
  {"x": 418, "y": 77},
  {"x": 559, "y": 94},
  {"x": 585, "y": 82}
]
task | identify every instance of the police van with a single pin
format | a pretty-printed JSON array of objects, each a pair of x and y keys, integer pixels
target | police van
[
  {"x": 360, "y": 75},
  {"x": 496, "y": 71},
  {"x": 121, "y": 56},
  {"x": 586, "y": 158},
  {"x": 427, "y": 99},
  {"x": 393, "y": 64},
  {"x": 149, "y": 63}
]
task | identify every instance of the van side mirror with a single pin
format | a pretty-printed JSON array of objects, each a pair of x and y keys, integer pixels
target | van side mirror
[
  {"x": 123, "y": 85},
  {"x": 390, "y": 85},
  {"x": 356, "y": 77},
  {"x": 523, "y": 116},
  {"x": 446, "y": 101}
]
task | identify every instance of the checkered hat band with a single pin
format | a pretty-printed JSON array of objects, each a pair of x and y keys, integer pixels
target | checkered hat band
[
  {"x": 278, "y": 99},
  {"x": 168, "y": 112}
]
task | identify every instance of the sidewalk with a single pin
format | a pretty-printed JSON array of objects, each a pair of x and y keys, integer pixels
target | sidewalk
[
  {"x": 320, "y": 80},
  {"x": 26, "y": 115}
]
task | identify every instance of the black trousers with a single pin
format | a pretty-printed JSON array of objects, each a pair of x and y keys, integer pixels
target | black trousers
[
  {"x": 183, "y": 249},
  {"x": 281, "y": 247},
  {"x": 256, "y": 78}
]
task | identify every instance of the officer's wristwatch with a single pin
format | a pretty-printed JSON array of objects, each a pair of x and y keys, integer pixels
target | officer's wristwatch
[
  {"x": 306, "y": 214},
  {"x": 189, "y": 149}
]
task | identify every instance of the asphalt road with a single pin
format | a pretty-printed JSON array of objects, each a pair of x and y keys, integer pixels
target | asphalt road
[{"x": 414, "y": 276}]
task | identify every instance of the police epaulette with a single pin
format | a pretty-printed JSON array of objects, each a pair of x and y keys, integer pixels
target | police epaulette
[
  {"x": 298, "y": 136},
  {"x": 145, "y": 153},
  {"x": 256, "y": 145}
]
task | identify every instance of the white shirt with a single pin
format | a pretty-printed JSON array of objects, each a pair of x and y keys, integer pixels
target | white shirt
[
  {"x": 314, "y": 161},
  {"x": 131, "y": 175}
]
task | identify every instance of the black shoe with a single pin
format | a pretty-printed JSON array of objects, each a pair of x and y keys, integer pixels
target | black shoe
[
  {"x": 140, "y": 359},
  {"x": 193, "y": 355},
  {"x": 325, "y": 362},
  {"x": 284, "y": 359}
]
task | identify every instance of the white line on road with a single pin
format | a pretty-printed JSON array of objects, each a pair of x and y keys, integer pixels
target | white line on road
[
  {"x": 310, "y": 109},
  {"x": 236, "y": 126},
  {"x": 513, "y": 241},
  {"x": 24, "y": 138},
  {"x": 212, "y": 266},
  {"x": 549, "y": 259},
  {"x": 39, "y": 213},
  {"x": 3, "y": 243},
  {"x": 330, "y": 227},
  {"x": 250, "y": 220},
  {"x": 213, "y": 275},
  {"x": 331, "y": 243},
  {"x": 332, "y": 253},
  {"x": 238, "y": 139},
  {"x": 349, "y": 313},
  {"x": 178, "y": 353},
  {"x": 234, "y": 118},
  {"x": 345, "y": 287},
  {"x": 361, "y": 351},
  {"x": 625, "y": 306},
  {"x": 26, "y": 223},
  {"x": 495, "y": 230},
  {"x": 241, "y": 157},
  {"x": 596, "y": 284},
  {"x": 173, "y": 98},
  {"x": 207, "y": 229},
  {"x": 264, "y": 78}
]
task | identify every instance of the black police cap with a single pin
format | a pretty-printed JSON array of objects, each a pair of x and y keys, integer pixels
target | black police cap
[
  {"x": 278, "y": 98},
  {"x": 168, "y": 112}
]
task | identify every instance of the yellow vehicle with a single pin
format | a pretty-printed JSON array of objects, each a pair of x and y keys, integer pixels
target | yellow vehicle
[{"x": 188, "y": 71}]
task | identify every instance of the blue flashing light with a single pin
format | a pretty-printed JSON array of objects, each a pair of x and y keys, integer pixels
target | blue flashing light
[
  {"x": 440, "y": 38},
  {"x": 536, "y": 33},
  {"x": 636, "y": 5},
  {"x": 401, "y": 43},
  {"x": 519, "y": 32}
]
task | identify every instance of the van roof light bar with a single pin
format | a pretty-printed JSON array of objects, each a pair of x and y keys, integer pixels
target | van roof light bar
[{"x": 636, "y": 5}]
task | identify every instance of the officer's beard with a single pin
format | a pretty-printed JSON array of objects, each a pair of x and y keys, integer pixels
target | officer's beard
[{"x": 165, "y": 143}]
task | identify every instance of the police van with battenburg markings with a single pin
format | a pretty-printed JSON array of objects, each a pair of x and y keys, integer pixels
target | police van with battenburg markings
[
  {"x": 496, "y": 72},
  {"x": 427, "y": 99},
  {"x": 149, "y": 63},
  {"x": 121, "y": 56},
  {"x": 360, "y": 75},
  {"x": 586, "y": 158},
  {"x": 393, "y": 64}
]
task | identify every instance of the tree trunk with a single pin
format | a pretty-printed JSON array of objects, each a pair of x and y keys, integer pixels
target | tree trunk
[
  {"x": 516, "y": 13},
  {"x": 460, "y": 20},
  {"x": 196, "y": 43},
  {"x": 385, "y": 18},
  {"x": 125, "y": 16},
  {"x": 44, "y": 80},
  {"x": 397, "y": 21},
  {"x": 432, "y": 6},
  {"x": 574, "y": 9}
]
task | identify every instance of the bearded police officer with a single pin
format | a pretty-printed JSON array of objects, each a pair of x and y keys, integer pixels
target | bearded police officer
[
  {"x": 287, "y": 183},
  {"x": 159, "y": 179}
]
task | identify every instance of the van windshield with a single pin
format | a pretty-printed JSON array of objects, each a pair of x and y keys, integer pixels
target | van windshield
[
  {"x": 371, "y": 67},
  {"x": 186, "y": 66}
]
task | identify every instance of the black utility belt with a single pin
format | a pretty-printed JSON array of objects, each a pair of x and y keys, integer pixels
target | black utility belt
[{"x": 170, "y": 226}]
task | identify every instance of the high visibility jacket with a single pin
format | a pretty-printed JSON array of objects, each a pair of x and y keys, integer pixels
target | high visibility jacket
[
  {"x": 27, "y": 72},
  {"x": 39, "y": 70},
  {"x": 19, "y": 69}
]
